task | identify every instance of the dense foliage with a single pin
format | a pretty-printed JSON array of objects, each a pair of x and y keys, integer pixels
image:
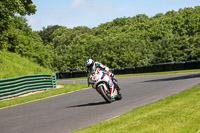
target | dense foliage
[
  {"x": 15, "y": 34},
  {"x": 8, "y": 9},
  {"x": 133, "y": 41}
]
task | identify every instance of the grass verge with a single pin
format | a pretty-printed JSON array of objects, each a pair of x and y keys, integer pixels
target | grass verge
[
  {"x": 52, "y": 92},
  {"x": 179, "y": 113},
  {"x": 13, "y": 65}
]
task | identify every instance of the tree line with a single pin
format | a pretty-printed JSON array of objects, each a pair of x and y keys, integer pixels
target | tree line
[{"x": 128, "y": 41}]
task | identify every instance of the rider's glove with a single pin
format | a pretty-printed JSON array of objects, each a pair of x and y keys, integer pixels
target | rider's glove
[{"x": 112, "y": 75}]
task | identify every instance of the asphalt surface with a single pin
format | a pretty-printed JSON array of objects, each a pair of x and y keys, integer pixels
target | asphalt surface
[{"x": 72, "y": 111}]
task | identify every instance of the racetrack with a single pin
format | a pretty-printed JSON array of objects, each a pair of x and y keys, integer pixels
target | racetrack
[{"x": 72, "y": 111}]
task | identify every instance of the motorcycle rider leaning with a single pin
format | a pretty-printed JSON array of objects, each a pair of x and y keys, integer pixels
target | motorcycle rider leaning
[{"x": 91, "y": 68}]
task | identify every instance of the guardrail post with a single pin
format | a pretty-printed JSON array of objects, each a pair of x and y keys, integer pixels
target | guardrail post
[{"x": 54, "y": 83}]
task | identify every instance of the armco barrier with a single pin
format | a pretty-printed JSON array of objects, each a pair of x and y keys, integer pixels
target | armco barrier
[
  {"x": 158, "y": 67},
  {"x": 179, "y": 66},
  {"x": 168, "y": 66},
  {"x": 63, "y": 75},
  {"x": 129, "y": 70},
  {"x": 147, "y": 69},
  {"x": 119, "y": 71},
  {"x": 74, "y": 74},
  {"x": 198, "y": 64},
  {"x": 77, "y": 74},
  {"x": 191, "y": 64},
  {"x": 139, "y": 69},
  {"x": 11, "y": 87}
]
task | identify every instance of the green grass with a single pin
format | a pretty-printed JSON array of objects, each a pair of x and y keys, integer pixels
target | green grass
[
  {"x": 13, "y": 65},
  {"x": 52, "y": 92},
  {"x": 179, "y": 113}
]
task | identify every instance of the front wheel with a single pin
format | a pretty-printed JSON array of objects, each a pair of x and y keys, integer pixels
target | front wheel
[
  {"x": 105, "y": 94},
  {"x": 119, "y": 95}
]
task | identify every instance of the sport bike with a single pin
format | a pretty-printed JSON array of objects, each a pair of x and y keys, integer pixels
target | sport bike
[{"x": 108, "y": 88}]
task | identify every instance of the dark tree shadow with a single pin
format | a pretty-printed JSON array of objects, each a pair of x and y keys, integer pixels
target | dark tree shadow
[
  {"x": 88, "y": 104},
  {"x": 176, "y": 78}
]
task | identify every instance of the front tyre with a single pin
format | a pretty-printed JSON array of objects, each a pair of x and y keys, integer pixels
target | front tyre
[
  {"x": 119, "y": 95},
  {"x": 105, "y": 94}
]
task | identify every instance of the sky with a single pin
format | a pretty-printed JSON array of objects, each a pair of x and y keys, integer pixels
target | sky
[{"x": 91, "y": 13}]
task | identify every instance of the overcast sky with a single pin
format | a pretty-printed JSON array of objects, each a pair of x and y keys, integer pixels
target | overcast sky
[{"x": 91, "y": 13}]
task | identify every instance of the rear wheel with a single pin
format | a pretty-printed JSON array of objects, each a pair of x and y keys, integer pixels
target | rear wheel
[{"x": 105, "y": 94}]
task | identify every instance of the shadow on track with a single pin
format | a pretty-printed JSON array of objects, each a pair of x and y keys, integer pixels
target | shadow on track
[
  {"x": 88, "y": 104},
  {"x": 176, "y": 78}
]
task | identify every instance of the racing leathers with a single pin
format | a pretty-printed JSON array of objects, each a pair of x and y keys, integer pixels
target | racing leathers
[{"x": 96, "y": 65}]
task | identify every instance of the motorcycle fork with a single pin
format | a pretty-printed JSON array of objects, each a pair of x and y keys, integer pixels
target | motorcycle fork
[{"x": 104, "y": 85}]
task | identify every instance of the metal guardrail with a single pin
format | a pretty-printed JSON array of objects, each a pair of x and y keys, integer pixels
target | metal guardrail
[{"x": 11, "y": 87}]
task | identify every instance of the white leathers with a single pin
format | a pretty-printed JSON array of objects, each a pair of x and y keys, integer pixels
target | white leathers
[{"x": 92, "y": 66}]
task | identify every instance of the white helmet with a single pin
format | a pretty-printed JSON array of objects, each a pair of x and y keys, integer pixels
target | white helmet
[{"x": 89, "y": 63}]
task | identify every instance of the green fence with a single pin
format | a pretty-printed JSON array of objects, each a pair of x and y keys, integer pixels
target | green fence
[{"x": 11, "y": 87}]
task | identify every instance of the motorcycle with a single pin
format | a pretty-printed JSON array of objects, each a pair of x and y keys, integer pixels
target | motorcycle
[{"x": 108, "y": 88}]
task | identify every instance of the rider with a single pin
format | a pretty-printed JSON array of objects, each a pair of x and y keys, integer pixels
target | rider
[{"x": 91, "y": 66}]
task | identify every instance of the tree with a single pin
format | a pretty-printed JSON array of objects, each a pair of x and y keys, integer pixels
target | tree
[
  {"x": 23, "y": 41},
  {"x": 47, "y": 33},
  {"x": 8, "y": 9}
]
